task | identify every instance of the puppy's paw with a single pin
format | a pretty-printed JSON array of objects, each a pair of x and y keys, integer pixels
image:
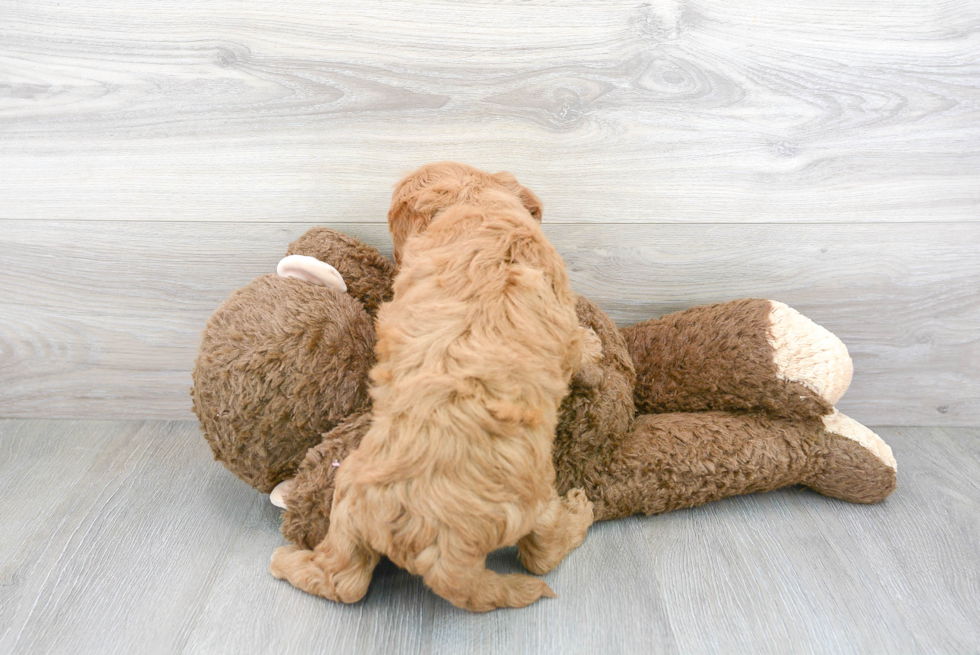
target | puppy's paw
[
  {"x": 580, "y": 511},
  {"x": 576, "y": 502},
  {"x": 586, "y": 370},
  {"x": 591, "y": 347},
  {"x": 288, "y": 559}
]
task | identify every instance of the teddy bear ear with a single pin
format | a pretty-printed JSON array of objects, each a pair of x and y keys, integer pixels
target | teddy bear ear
[
  {"x": 528, "y": 198},
  {"x": 312, "y": 270}
]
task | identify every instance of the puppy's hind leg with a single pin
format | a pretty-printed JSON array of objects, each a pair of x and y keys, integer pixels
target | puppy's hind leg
[
  {"x": 339, "y": 568},
  {"x": 470, "y": 585},
  {"x": 559, "y": 530}
]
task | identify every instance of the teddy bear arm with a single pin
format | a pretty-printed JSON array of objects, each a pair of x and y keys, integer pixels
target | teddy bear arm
[
  {"x": 744, "y": 355},
  {"x": 367, "y": 273},
  {"x": 310, "y": 494}
]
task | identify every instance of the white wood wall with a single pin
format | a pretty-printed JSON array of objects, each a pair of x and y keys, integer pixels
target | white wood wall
[{"x": 156, "y": 155}]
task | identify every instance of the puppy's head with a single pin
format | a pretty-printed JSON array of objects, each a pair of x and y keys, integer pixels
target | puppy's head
[{"x": 423, "y": 194}]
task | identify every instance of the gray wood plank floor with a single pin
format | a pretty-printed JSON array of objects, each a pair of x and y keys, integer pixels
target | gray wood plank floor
[{"x": 122, "y": 537}]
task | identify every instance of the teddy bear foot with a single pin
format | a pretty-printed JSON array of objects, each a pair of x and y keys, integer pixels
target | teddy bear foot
[
  {"x": 857, "y": 466},
  {"x": 808, "y": 354},
  {"x": 278, "y": 495}
]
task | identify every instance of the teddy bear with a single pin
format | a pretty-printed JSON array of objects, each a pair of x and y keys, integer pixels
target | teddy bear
[{"x": 695, "y": 406}]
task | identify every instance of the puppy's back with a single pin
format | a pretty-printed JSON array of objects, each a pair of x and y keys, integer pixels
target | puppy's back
[
  {"x": 481, "y": 295},
  {"x": 472, "y": 365},
  {"x": 474, "y": 356}
]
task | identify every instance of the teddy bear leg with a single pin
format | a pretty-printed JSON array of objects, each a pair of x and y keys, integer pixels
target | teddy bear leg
[
  {"x": 559, "y": 530},
  {"x": 853, "y": 463},
  {"x": 367, "y": 273},
  {"x": 671, "y": 461},
  {"x": 744, "y": 355}
]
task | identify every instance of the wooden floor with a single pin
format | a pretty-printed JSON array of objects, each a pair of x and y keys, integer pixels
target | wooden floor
[{"x": 121, "y": 537}]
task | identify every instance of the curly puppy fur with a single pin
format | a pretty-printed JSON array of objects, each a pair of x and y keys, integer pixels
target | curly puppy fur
[
  {"x": 475, "y": 354},
  {"x": 420, "y": 197}
]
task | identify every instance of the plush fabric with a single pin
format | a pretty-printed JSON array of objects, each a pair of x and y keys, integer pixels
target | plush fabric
[
  {"x": 681, "y": 410},
  {"x": 310, "y": 495},
  {"x": 368, "y": 274},
  {"x": 715, "y": 357},
  {"x": 684, "y": 459},
  {"x": 281, "y": 362}
]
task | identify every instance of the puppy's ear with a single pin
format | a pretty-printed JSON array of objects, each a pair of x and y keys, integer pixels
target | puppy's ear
[
  {"x": 400, "y": 219},
  {"x": 528, "y": 198},
  {"x": 412, "y": 209}
]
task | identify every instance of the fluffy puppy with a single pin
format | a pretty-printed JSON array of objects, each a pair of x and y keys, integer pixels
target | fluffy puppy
[
  {"x": 475, "y": 353},
  {"x": 421, "y": 196}
]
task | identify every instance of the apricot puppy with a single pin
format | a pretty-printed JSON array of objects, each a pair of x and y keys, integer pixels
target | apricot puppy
[{"x": 475, "y": 353}]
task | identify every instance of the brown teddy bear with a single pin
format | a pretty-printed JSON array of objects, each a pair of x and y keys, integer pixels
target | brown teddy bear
[{"x": 695, "y": 406}]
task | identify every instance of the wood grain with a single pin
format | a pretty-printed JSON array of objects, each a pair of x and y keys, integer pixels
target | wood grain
[
  {"x": 44, "y": 493},
  {"x": 132, "y": 545},
  {"x": 672, "y": 111},
  {"x": 917, "y": 550},
  {"x": 792, "y": 572},
  {"x": 138, "y": 541},
  {"x": 103, "y": 320}
]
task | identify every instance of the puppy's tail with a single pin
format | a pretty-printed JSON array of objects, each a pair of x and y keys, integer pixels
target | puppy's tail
[{"x": 473, "y": 587}]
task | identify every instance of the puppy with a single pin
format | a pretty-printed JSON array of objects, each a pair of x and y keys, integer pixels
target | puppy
[{"x": 475, "y": 353}]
